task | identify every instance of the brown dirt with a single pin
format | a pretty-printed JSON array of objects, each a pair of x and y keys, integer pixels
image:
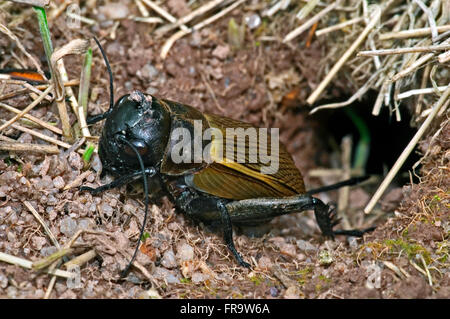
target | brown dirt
[{"x": 184, "y": 259}]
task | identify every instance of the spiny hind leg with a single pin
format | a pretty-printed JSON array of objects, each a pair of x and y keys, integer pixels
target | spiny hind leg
[{"x": 262, "y": 208}]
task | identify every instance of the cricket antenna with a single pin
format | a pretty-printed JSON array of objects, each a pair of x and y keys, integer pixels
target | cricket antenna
[
  {"x": 121, "y": 138},
  {"x": 99, "y": 117},
  {"x": 348, "y": 182}
]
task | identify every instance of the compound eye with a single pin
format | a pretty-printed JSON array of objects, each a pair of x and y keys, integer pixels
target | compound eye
[{"x": 139, "y": 145}]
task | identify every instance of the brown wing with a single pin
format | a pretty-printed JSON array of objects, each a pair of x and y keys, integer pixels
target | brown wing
[{"x": 231, "y": 177}]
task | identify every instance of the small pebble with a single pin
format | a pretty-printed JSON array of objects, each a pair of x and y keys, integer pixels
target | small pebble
[
  {"x": 274, "y": 291},
  {"x": 38, "y": 242},
  {"x": 11, "y": 292},
  {"x": 107, "y": 210},
  {"x": 168, "y": 275},
  {"x": 306, "y": 246},
  {"x": 265, "y": 262},
  {"x": 199, "y": 277},
  {"x": 148, "y": 71},
  {"x": 253, "y": 21},
  {"x": 185, "y": 252},
  {"x": 151, "y": 90},
  {"x": 3, "y": 281},
  {"x": 221, "y": 51},
  {"x": 58, "y": 182},
  {"x": 150, "y": 294},
  {"x": 168, "y": 259},
  {"x": 75, "y": 161},
  {"x": 47, "y": 251},
  {"x": 352, "y": 242},
  {"x": 68, "y": 226},
  {"x": 84, "y": 224},
  {"x": 39, "y": 294},
  {"x": 292, "y": 292},
  {"x": 115, "y": 11}
]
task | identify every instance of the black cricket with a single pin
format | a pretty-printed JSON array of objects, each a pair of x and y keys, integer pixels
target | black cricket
[{"x": 136, "y": 143}]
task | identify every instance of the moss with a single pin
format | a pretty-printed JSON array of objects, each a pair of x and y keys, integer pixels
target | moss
[
  {"x": 372, "y": 249},
  {"x": 405, "y": 232},
  {"x": 325, "y": 279},
  {"x": 325, "y": 258},
  {"x": 409, "y": 248},
  {"x": 237, "y": 295},
  {"x": 185, "y": 280},
  {"x": 303, "y": 275},
  {"x": 318, "y": 288},
  {"x": 257, "y": 280},
  {"x": 443, "y": 251}
]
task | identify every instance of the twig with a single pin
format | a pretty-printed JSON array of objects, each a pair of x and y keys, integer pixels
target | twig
[
  {"x": 211, "y": 92},
  {"x": 431, "y": 21},
  {"x": 338, "y": 26},
  {"x": 430, "y": 144},
  {"x": 81, "y": 18},
  {"x": 83, "y": 94},
  {"x": 423, "y": 84},
  {"x": 326, "y": 172},
  {"x": 274, "y": 9},
  {"x": 408, "y": 149},
  {"x": 35, "y": 90},
  {"x": 76, "y": 46},
  {"x": 423, "y": 59},
  {"x": 168, "y": 44},
  {"x": 35, "y": 3},
  {"x": 187, "y": 18},
  {"x": 306, "y": 9},
  {"x": 40, "y": 135},
  {"x": 308, "y": 24},
  {"x": 142, "y": 9},
  {"x": 27, "y": 147},
  {"x": 400, "y": 272},
  {"x": 354, "y": 97},
  {"x": 81, "y": 259},
  {"x": 382, "y": 95},
  {"x": 404, "y": 50},
  {"x": 47, "y": 261},
  {"x": 28, "y": 264},
  {"x": 375, "y": 19},
  {"x": 413, "y": 33},
  {"x": 406, "y": 94},
  {"x": 444, "y": 57},
  {"x": 27, "y": 109},
  {"x": 344, "y": 192},
  {"x": 166, "y": 15},
  {"x": 77, "y": 181},
  {"x": 42, "y": 222},
  {"x": 46, "y": 125},
  {"x": 148, "y": 19}
]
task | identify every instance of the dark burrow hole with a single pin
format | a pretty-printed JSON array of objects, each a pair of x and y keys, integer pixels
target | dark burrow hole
[{"x": 388, "y": 137}]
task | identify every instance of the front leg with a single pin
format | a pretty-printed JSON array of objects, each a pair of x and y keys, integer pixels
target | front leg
[{"x": 122, "y": 180}]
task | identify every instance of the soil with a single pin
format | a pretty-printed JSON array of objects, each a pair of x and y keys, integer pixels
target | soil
[{"x": 264, "y": 83}]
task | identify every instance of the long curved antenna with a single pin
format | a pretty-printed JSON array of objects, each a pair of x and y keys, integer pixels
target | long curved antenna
[
  {"x": 348, "y": 182},
  {"x": 99, "y": 117},
  {"x": 124, "y": 272}
]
